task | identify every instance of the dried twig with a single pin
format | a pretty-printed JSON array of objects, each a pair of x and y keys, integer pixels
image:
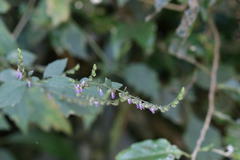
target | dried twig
[
  {"x": 170, "y": 6},
  {"x": 24, "y": 19},
  {"x": 213, "y": 85}
]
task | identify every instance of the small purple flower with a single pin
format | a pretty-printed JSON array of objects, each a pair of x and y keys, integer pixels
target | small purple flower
[
  {"x": 83, "y": 83},
  {"x": 19, "y": 74},
  {"x": 153, "y": 110},
  {"x": 96, "y": 103},
  {"x": 78, "y": 89},
  {"x": 129, "y": 101},
  {"x": 113, "y": 95},
  {"x": 141, "y": 106},
  {"x": 137, "y": 106},
  {"x": 100, "y": 91},
  {"x": 49, "y": 96}
]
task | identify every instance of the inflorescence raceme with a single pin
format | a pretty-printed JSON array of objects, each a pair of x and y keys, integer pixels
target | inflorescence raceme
[
  {"x": 107, "y": 95},
  {"x": 117, "y": 95}
]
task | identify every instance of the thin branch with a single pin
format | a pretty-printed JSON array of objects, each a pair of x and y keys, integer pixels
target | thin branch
[
  {"x": 191, "y": 83},
  {"x": 222, "y": 153},
  {"x": 213, "y": 85},
  {"x": 176, "y": 7},
  {"x": 187, "y": 59},
  {"x": 191, "y": 61},
  {"x": 170, "y": 6},
  {"x": 97, "y": 49},
  {"x": 24, "y": 19}
]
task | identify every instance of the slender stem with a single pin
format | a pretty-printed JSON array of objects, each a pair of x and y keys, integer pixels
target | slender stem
[
  {"x": 99, "y": 52},
  {"x": 213, "y": 85},
  {"x": 24, "y": 19},
  {"x": 221, "y": 152}
]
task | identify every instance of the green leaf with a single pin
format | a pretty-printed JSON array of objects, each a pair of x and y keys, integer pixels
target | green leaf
[
  {"x": 213, "y": 137},
  {"x": 4, "y": 6},
  {"x": 6, "y": 155},
  {"x": 54, "y": 144},
  {"x": 11, "y": 93},
  {"x": 71, "y": 38},
  {"x": 116, "y": 48},
  {"x": 7, "y": 75},
  {"x": 232, "y": 88},
  {"x": 60, "y": 85},
  {"x": 143, "y": 79},
  {"x": 7, "y": 42},
  {"x": 3, "y": 123},
  {"x": 58, "y": 11},
  {"x": 28, "y": 57},
  {"x": 55, "y": 68},
  {"x": 145, "y": 34},
  {"x": 36, "y": 107},
  {"x": 141, "y": 32},
  {"x": 232, "y": 138},
  {"x": 40, "y": 18},
  {"x": 159, "y": 149}
]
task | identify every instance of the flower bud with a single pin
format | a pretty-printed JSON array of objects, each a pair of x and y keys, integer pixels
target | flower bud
[
  {"x": 100, "y": 92},
  {"x": 113, "y": 95},
  {"x": 19, "y": 75},
  {"x": 153, "y": 110},
  {"x": 129, "y": 101}
]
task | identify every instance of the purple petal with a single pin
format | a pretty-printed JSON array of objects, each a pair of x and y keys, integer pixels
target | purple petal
[
  {"x": 141, "y": 106},
  {"x": 78, "y": 88},
  {"x": 19, "y": 75},
  {"x": 137, "y": 106},
  {"x": 29, "y": 84},
  {"x": 153, "y": 110},
  {"x": 82, "y": 83},
  {"x": 129, "y": 101},
  {"x": 113, "y": 95},
  {"x": 100, "y": 92},
  {"x": 96, "y": 103}
]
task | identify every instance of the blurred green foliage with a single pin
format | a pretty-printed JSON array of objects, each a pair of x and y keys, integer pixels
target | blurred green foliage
[{"x": 152, "y": 46}]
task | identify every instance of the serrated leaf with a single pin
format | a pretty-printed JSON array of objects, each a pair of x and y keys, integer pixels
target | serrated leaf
[
  {"x": 11, "y": 93},
  {"x": 159, "y": 149},
  {"x": 143, "y": 79},
  {"x": 36, "y": 107},
  {"x": 78, "y": 110},
  {"x": 55, "y": 68},
  {"x": 58, "y": 11},
  {"x": 7, "y": 42},
  {"x": 60, "y": 85}
]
